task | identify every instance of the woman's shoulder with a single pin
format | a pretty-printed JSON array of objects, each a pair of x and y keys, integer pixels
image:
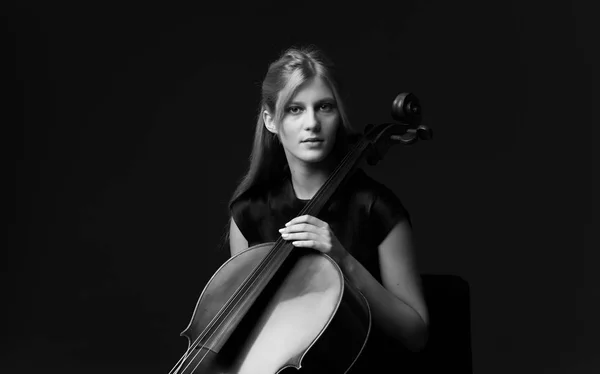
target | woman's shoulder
[
  {"x": 255, "y": 199},
  {"x": 376, "y": 197},
  {"x": 363, "y": 183},
  {"x": 249, "y": 198}
]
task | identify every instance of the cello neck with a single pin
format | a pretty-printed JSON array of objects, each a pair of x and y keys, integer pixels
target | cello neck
[{"x": 335, "y": 180}]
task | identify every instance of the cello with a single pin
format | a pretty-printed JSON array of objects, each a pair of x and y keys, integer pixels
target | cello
[{"x": 271, "y": 308}]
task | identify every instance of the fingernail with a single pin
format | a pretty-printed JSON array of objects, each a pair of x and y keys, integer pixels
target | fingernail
[
  {"x": 287, "y": 224},
  {"x": 281, "y": 230}
]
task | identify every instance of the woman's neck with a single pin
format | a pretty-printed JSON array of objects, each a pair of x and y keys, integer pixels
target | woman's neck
[{"x": 307, "y": 179}]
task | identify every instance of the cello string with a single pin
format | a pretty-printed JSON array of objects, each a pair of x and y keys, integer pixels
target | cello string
[
  {"x": 239, "y": 299},
  {"x": 254, "y": 276}
]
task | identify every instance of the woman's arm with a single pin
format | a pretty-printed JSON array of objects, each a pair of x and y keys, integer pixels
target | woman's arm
[
  {"x": 237, "y": 241},
  {"x": 398, "y": 306}
]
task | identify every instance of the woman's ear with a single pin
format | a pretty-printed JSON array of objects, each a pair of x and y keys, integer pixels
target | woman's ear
[{"x": 269, "y": 123}]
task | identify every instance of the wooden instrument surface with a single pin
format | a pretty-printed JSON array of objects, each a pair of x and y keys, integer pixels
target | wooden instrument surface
[{"x": 277, "y": 331}]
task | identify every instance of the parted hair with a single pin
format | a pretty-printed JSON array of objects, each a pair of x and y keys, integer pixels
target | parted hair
[{"x": 284, "y": 77}]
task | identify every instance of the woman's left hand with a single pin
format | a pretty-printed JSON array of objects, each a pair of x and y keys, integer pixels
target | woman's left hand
[{"x": 310, "y": 232}]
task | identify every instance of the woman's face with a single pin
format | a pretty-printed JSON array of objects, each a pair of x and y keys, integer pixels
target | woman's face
[{"x": 309, "y": 125}]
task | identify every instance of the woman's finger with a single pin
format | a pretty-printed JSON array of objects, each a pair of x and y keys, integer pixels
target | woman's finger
[
  {"x": 306, "y": 219},
  {"x": 308, "y": 244},
  {"x": 300, "y": 227},
  {"x": 301, "y": 236}
]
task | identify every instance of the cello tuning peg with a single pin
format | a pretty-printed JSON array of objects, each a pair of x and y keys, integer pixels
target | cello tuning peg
[
  {"x": 424, "y": 132},
  {"x": 409, "y": 137}
]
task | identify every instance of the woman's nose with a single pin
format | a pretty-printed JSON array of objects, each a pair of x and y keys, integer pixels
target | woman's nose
[{"x": 312, "y": 121}]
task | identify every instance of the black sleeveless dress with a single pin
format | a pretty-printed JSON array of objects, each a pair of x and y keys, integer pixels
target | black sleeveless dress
[{"x": 361, "y": 214}]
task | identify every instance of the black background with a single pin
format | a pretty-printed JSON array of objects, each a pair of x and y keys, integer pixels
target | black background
[{"x": 133, "y": 122}]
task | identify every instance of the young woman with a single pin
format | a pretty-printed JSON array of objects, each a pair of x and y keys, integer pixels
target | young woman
[{"x": 301, "y": 134}]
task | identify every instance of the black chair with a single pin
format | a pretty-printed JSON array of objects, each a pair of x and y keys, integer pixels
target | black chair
[{"x": 449, "y": 345}]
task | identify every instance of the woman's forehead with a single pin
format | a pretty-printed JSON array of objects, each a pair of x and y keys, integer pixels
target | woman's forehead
[{"x": 314, "y": 89}]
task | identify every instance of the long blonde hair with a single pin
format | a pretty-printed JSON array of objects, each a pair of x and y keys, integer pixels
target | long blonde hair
[{"x": 268, "y": 163}]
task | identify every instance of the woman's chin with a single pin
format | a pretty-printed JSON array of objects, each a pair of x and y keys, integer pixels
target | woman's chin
[
  {"x": 310, "y": 157},
  {"x": 313, "y": 157}
]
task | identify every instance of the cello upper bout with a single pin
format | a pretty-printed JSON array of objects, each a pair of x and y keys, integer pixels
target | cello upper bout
[{"x": 221, "y": 286}]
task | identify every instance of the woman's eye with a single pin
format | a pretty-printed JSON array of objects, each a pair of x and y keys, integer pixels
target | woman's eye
[
  {"x": 326, "y": 107},
  {"x": 294, "y": 109}
]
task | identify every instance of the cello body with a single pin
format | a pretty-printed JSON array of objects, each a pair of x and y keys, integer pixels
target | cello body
[
  {"x": 308, "y": 319},
  {"x": 274, "y": 308}
]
